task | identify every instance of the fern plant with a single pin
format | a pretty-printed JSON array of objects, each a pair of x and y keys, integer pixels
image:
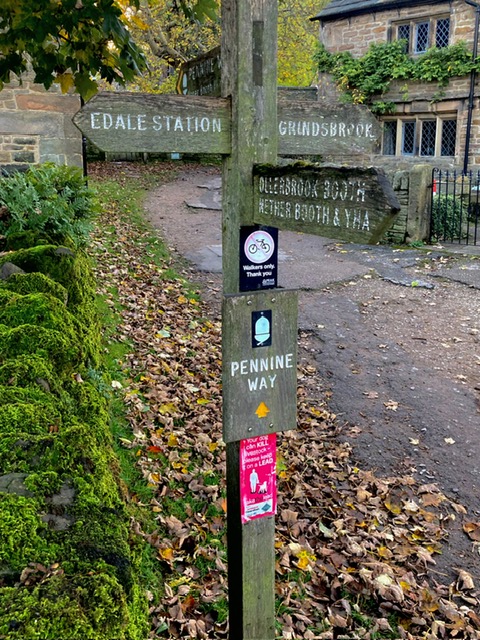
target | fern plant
[{"x": 48, "y": 200}]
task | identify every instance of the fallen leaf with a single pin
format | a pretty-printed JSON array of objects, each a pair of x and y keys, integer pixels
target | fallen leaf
[
  {"x": 472, "y": 529},
  {"x": 465, "y": 580},
  {"x": 391, "y": 405}
]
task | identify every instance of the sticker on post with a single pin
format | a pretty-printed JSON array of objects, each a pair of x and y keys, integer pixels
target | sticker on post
[
  {"x": 259, "y": 246},
  {"x": 261, "y": 328},
  {"x": 258, "y": 258},
  {"x": 258, "y": 479}
]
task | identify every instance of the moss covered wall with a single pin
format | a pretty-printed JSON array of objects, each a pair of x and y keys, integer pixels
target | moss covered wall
[{"x": 67, "y": 559}]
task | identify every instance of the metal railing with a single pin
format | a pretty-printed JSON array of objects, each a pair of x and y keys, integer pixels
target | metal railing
[{"x": 455, "y": 207}]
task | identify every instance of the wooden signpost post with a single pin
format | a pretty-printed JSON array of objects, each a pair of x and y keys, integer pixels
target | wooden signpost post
[
  {"x": 249, "y": 76},
  {"x": 250, "y": 129}
]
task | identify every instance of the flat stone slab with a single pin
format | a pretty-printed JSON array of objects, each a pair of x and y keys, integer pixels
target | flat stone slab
[
  {"x": 212, "y": 184},
  {"x": 209, "y": 199},
  {"x": 207, "y": 259},
  {"x": 466, "y": 274}
]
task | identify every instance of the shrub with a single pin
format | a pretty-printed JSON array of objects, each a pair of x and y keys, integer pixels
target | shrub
[
  {"x": 446, "y": 218},
  {"x": 48, "y": 200}
]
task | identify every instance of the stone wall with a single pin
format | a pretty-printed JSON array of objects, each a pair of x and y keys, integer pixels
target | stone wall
[
  {"x": 36, "y": 126},
  {"x": 356, "y": 34},
  {"x": 413, "y": 98},
  {"x": 413, "y": 190}
]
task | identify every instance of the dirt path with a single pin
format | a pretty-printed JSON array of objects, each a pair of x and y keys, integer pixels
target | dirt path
[{"x": 394, "y": 336}]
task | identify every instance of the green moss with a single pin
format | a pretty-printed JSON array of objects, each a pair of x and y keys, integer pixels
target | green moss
[
  {"x": 27, "y": 239},
  {"x": 54, "y": 427},
  {"x": 101, "y": 533},
  {"x": 29, "y": 418},
  {"x": 70, "y": 269},
  {"x": 25, "y": 395},
  {"x": 43, "y": 484},
  {"x": 24, "y": 283},
  {"x": 44, "y": 310},
  {"x": 29, "y": 370},
  {"x": 6, "y": 296},
  {"x": 40, "y": 309},
  {"x": 47, "y": 343},
  {"x": 22, "y": 533},
  {"x": 73, "y": 450},
  {"x": 82, "y": 607},
  {"x": 89, "y": 405}
]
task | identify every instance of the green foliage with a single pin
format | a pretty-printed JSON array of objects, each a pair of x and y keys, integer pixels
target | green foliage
[
  {"x": 446, "y": 217},
  {"x": 439, "y": 65},
  {"x": 200, "y": 10},
  {"x": 381, "y": 107},
  {"x": 360, "y": 79},
  {"x": 297, "y": 38},
  {"x": 73, "y": 43},
  {"x": 49, "y": 200}
]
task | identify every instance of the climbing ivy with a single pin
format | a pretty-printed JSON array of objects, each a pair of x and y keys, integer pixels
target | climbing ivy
[{"x": 362, "y": 79}]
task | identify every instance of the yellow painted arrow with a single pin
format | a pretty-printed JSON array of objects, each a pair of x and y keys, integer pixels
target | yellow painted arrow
[{"x": 262, "y": 410}]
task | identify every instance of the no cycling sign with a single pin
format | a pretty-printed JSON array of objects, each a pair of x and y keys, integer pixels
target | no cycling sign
[{"x": 258, "y": 258}]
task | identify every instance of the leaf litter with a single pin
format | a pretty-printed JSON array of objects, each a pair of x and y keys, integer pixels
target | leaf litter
[{"x": 355, "y": 553}]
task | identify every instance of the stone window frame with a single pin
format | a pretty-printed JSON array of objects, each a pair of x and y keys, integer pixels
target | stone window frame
[
  {"x": 396, "y": 135},
  {"x": 413, "y": 25}
]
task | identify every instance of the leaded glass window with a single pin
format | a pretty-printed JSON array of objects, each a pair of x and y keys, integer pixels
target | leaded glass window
[
  {"x": 427, "y": 144},
  {"x": 390, "y": 137},
  {"x": 408, "y": 138},
  {"x": 437, "y": 136},
  {"x": 422, "y": 30},
  {"x": 449, "y": 136},
  {"x": 442, "y": 33},
  {"x": 404, "y": 34}
]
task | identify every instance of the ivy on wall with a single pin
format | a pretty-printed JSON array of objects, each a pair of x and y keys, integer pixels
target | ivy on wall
[{"x": 365, "y": 79}]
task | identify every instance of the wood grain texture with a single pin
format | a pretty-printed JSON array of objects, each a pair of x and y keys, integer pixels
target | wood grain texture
[
  {"x": 202, "y": 75},
  {"x": 117, "y": 122},
  {"x": 349, "y": 204},
  {"x": 317, "y": 128},
  {"x": 249, "y": 74}
]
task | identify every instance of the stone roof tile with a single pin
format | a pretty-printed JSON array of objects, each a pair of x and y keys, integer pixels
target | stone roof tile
[{"x": 338, "y": 9}]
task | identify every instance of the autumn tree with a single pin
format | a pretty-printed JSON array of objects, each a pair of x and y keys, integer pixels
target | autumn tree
[
  {"x": 297, "y": 40},
  {"x": 169, "y": 37},
  {"x": 81, "y": 43},
  {"x": 74, "y": 43},
  {"x": 169, "y": 34}
]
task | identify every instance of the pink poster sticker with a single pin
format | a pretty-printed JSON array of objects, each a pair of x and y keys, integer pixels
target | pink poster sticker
[{"x": 258, "y": 478}]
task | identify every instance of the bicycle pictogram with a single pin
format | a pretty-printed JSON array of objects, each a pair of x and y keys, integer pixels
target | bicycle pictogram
[
  {"x": 259, "y": 246},
  {"x": 259, "y": 243}
]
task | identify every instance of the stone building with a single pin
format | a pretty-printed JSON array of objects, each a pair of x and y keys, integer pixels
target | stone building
[
  {"x": 36, "y": 126},
  {"x": 428, "y": 126}
]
